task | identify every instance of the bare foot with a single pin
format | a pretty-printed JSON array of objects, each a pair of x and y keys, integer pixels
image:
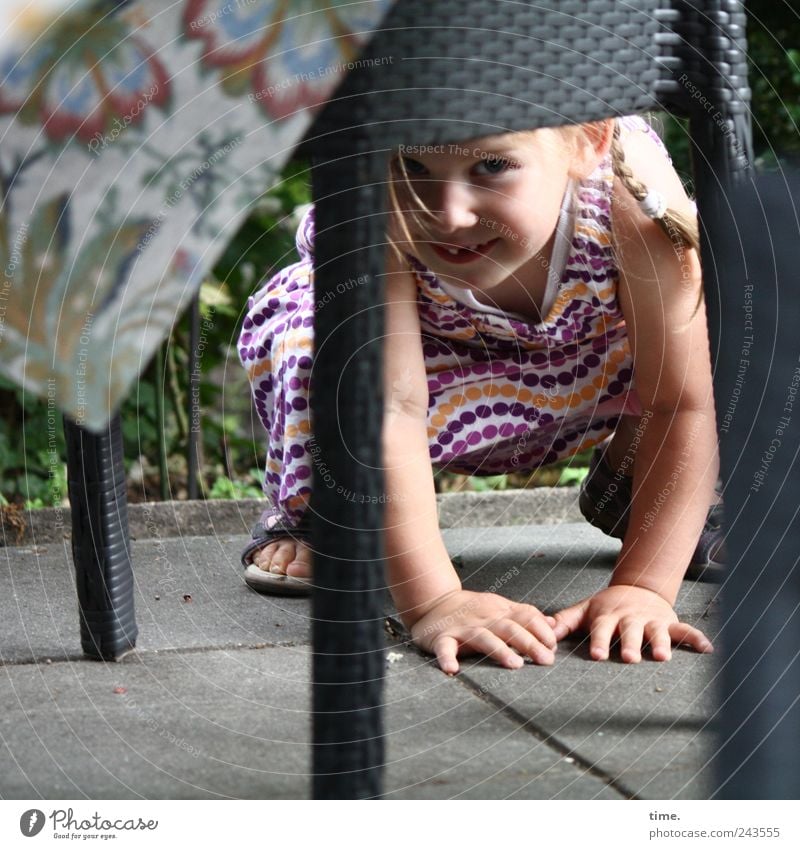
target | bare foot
[{"x": 285, "y": 557}]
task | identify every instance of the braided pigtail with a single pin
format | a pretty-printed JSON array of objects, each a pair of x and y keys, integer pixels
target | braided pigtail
[{"x": 681, "y": 229}]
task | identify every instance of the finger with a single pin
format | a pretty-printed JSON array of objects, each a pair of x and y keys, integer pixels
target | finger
[
  {"x": 660, "y": 643},
  {"x": 523, "y": 641},
  {"x": 600, "y": 635},
  {"x": 533, "y": 621},
  {"x": 446, "y": 650},
  {"x": 569, "y": 620},
  {"x": 484, "y": 641},
  {"x": 631, "y": 633},
  {"x": 684, "y": 635}
]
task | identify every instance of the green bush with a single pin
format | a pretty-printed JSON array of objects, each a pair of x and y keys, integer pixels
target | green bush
[
  {"x": 32, "y": 468},
  {"x": 32, "y": 459}
]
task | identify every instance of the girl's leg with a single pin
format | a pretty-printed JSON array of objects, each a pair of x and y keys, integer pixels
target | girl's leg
[
  {"x": 606, "y": 497},
  {"x": 620, "y": 452},
  {"x": 275, "y": 349}
]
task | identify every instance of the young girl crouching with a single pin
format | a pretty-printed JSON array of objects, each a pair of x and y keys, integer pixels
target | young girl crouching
[{"x": 543, "y": 295}]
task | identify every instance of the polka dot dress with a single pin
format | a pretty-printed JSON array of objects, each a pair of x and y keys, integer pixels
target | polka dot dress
[{"x": 504, "y": 394}]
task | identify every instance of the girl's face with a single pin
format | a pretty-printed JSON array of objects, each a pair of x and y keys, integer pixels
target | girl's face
[{"x": 492, "y": 206}]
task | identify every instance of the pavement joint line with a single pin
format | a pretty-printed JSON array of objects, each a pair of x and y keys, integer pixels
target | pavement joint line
[
  {"x": 139, "y": 652},
  {"x": 527, "y": 724},
  {"x": 516, "y": 508},
  {"x": 45, "y": 661},
  {"x": 544, "y": 736}
]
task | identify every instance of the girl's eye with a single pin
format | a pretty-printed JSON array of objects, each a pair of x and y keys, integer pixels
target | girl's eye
[
  {"x": 411, "y": 166},
  {"x": 492, "y": 165}
]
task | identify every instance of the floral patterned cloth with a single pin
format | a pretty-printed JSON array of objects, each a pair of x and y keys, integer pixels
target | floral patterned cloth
[{"x": 133, "y": 138}]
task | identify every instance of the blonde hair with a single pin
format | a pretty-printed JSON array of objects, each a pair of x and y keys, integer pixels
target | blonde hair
[
  {"x": 681, "y": 229},
  {"x": 396, "y": 209}
]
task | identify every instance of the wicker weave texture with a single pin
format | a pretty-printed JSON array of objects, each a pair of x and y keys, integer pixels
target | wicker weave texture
[
  {"x": 100, "y": 543},
  {"x": 347, "y": 521},
  {"x": 439, "y": 72},
  {"x": 451, "y": 70},
  {"x": 755, "y": 236}
]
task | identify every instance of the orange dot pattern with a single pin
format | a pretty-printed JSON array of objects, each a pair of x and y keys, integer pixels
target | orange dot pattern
[{"x": 505, "y": 394}]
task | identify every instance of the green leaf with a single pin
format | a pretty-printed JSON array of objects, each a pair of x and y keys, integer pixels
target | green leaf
[
  {"x": 492, "y": 482},
  {"x": 225, "y": 488},
  {"x": 573, "y": 475}
]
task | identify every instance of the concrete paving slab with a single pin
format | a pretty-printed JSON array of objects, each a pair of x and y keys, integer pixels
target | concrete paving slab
[
  {"x": 506, "y": 508},
  {"x": 445, "y": 741},
  {"x": 236, "y": 724},
  {"x": 190, "y": 593},
  {"x": 646, "y": 727},
  {"x": 216, "y": 699}
]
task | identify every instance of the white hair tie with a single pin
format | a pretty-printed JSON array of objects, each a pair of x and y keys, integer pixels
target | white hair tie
[{"x": 653, "y": 205}]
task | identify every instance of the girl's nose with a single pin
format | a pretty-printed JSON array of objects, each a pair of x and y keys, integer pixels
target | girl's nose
[{"x": 454, "y": 207}]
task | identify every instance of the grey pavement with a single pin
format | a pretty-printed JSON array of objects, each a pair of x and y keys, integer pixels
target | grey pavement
[{"x": 215, "y": 702}]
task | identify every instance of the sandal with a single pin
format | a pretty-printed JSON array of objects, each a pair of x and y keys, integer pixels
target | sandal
[
  {"x": 605, "y": 499},
  {"x": 272, "y": 582}
]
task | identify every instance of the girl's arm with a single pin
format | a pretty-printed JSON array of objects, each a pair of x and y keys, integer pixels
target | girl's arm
[
  {"x": 443, "y": 619},
  {"x": 676, "y": 461}
]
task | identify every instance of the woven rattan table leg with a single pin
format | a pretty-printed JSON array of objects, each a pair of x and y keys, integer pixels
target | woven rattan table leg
[
  {"x": 346, "y": 504},
  {"x": 100, "y": 543},
  {"x": 758, "y": 406}
]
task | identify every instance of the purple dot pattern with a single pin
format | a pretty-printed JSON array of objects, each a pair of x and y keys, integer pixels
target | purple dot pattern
[{"x": 505, "y": 395}]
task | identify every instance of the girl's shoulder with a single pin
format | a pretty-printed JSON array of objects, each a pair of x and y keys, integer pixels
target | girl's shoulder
[
  {"x": 655, "y": 265},
  {"x": 633, "y": 126},
  {"x": 304, "y": 237}
]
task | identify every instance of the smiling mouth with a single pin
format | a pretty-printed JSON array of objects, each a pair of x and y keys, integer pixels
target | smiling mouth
[{"x": 462, "y": 254}]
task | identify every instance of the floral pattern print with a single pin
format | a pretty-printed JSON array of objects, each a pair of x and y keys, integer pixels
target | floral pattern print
[
  {"x": 132, "y": 143},
  {"x": 90, "y": 74},
  {"x": 285, "y": 62}
]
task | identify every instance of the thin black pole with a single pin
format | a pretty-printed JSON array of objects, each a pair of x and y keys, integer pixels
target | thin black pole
[
  {"x": 194, "y": 397},
  {"x": 161, "y": 421}
]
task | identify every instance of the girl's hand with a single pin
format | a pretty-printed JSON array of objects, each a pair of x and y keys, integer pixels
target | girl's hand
[
  {"x": 463, "y": 622},
  {"x": 634, "y": 614}
]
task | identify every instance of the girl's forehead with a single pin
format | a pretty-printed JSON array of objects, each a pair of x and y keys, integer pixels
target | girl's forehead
[
  {"x": 496, "y": 140},
  {"x": 470, "y": 148}
]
